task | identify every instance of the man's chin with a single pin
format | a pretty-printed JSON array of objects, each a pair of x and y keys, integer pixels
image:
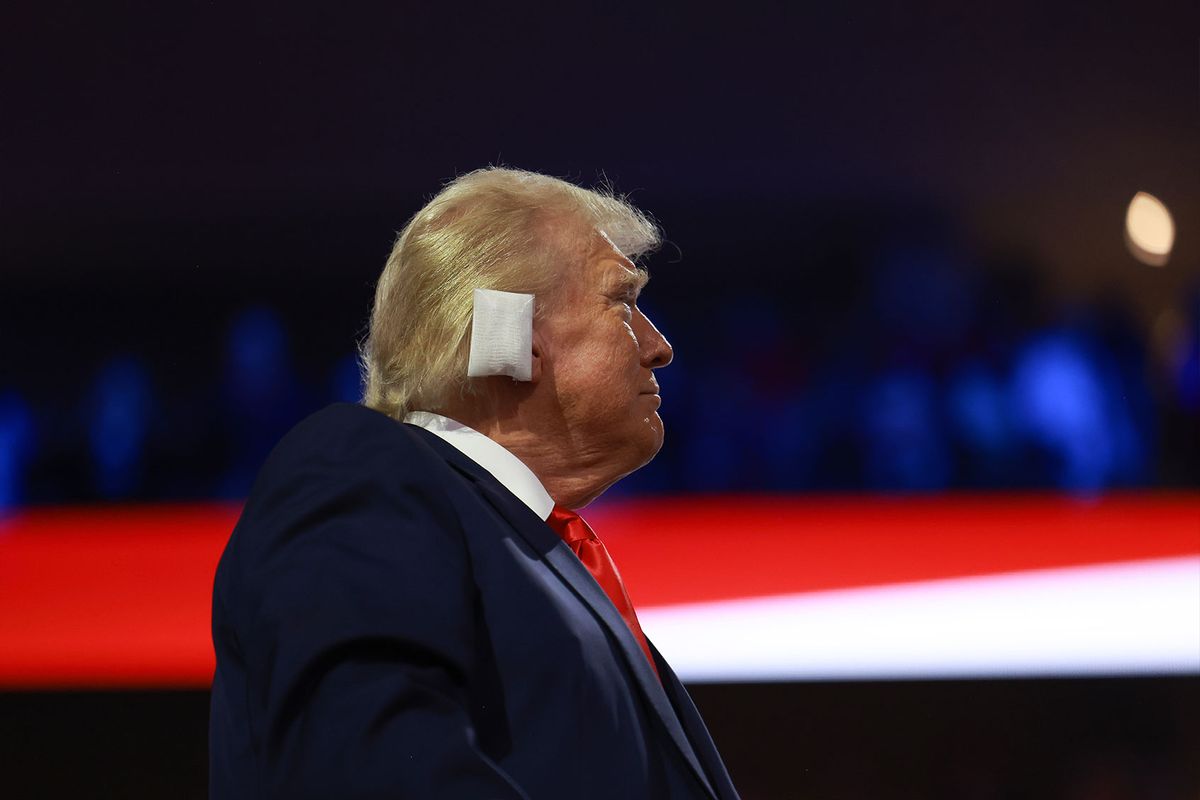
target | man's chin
[
  {"x": 638, "y": 445},
  {"x": 654, "y": 437}
]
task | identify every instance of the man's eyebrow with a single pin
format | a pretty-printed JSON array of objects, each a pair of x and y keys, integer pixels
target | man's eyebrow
[
  {"x": 640, "y": 278},
  {"x": 630, "y": 279}
]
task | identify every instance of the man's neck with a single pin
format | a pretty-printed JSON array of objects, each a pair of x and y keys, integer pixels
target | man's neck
[{"x": 572, "y": 476}]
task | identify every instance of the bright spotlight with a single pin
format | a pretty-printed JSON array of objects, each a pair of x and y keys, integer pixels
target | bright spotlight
[{"x": 1149, "y": 229}]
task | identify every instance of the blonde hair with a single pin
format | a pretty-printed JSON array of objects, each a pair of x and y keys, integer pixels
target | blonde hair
[{"x": 494, "y": 228}]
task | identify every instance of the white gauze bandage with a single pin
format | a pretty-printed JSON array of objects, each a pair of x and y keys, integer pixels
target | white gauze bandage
[{"x": 502, "y": 335}]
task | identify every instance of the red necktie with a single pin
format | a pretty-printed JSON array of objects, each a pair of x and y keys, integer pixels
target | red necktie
[{"x": 580, "y": 537}]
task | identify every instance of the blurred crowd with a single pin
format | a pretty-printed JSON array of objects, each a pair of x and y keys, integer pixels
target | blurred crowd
[{"x": 908, "y": 372}]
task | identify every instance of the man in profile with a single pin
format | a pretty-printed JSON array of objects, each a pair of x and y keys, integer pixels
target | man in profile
[{"x": 409, "y": 606}]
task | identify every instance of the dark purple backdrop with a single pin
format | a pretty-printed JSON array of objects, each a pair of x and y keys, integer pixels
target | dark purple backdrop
[{"x": 894, "y": 263}]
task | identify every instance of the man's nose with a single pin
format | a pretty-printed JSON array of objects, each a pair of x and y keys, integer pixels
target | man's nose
[{"x": 655, "y": 349}]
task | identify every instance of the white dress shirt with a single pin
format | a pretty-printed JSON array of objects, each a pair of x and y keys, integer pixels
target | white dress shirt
[{"x": 493, "y": 457}]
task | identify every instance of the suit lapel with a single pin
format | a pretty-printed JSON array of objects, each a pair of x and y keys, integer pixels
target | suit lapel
[
  {"x": 571, "y": 571},
  {"x": 697, "y": 731}
]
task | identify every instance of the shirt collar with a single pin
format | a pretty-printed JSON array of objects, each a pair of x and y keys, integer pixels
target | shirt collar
[{"x": 492, "y": 456}]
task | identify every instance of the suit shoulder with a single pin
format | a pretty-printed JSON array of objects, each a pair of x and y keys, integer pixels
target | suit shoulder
[
  {"x": 346, "y": 473},
  {"x": 341, "y": 422},
  {"x": 349, "y": 437}
]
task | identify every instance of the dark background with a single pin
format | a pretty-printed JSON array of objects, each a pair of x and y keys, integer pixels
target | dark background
[
  {"x": 894, "y": 263},
  {"x": 958, "y": 740}
]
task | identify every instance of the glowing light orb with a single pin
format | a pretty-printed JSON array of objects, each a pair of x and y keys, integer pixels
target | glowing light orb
[{"x": 1149, "y": 229}]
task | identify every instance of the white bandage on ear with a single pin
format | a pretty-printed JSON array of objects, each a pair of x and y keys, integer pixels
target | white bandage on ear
[{"x": 502, "y": 335}]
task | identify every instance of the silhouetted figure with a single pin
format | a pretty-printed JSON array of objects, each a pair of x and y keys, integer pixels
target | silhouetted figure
[
  {"x": 261, "y": 395},
  {"x": 119, "y": 407},
  {"x": 16, "y": 448}
]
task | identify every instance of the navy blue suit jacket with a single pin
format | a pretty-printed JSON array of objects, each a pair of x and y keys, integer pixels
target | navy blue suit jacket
[{"x": 391, "y": 622}]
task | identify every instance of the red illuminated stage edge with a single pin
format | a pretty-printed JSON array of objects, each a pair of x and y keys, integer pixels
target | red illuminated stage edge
[{"x": 119, "y": 597}]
